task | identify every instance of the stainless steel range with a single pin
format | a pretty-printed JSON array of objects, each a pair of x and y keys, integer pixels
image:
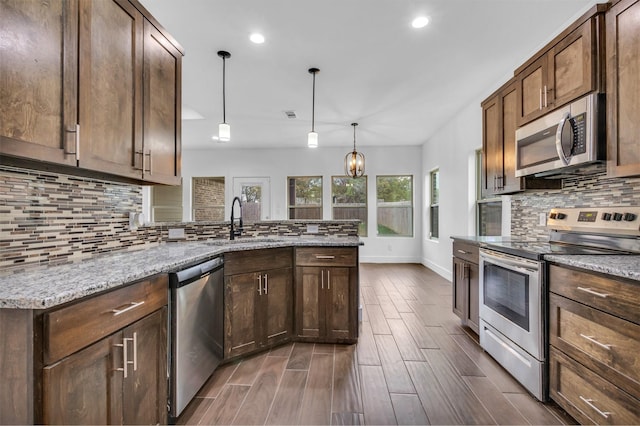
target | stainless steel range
[{"x": 513, "y": 288}]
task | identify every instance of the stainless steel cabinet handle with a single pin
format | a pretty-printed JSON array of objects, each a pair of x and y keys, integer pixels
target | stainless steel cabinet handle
[
  {"x": 266, "y": 284},
  {"x": 594, "y": 341},
  {"x": 150, "y": 163},
  {"x": 589, "y": 402},
  {"x": 142, "y": 155},
  {"x": 260, "y": 284},
  {"x": 135, "y": 351},
  {"x": 328, "y": 279},
  {"x": 463, "y": 252},
  {"x": 124, "y": 358},
  {"x": 125, "y": 355},
  {"x": 322, "y": 279},
  {"x": 540, "y": 99},
  {"x": 76, "y": 132},
  {"x": 595, "y": 293},
  {"x": 131, "y": 306},
  {"x": 320, "y": 256},
  {"x": 546, "y": 104}
]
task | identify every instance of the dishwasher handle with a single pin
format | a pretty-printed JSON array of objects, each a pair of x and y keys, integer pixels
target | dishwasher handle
[{"x": 198, "y": 271}]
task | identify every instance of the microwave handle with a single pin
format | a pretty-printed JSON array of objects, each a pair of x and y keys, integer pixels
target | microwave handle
[{"x": 559, "y": 148}]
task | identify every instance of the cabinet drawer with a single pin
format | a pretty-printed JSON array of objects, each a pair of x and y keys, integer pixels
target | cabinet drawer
[
  {"x": 75, "y": 326},
  {"x": 587, "y": 396},
  {"x": 606, "y": 344},
  {"x": 323, "y": 256},
  {"x": 466, "y": 251},
  {"x": 240, "y": 262},
  {"x": 615, "y": 296}
]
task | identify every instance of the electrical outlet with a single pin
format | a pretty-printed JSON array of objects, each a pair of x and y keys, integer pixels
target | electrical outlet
[
  {"x": 542, "y": 219},
  {"x": 176, "y": 233},
  {"x": 312, "y": 229}
]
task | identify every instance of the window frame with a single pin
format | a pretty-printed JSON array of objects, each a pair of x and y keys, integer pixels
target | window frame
[
  {"x": 434, "y": 204},
  {"x": 412, "y": 209},
  {"x": 363, "y": 227},
  {"x": 294, "y": 207},
  {"x": 194, "y": 206}
]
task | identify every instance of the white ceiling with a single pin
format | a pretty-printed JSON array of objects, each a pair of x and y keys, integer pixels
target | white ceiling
[{"x": 399, "y": 83}]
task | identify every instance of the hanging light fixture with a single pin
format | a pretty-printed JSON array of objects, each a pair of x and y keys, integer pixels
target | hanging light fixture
[
  {"x": 354, "y": 161},
  {"x": 224, "y": 130},
  {"x": 312, "y": 137}
]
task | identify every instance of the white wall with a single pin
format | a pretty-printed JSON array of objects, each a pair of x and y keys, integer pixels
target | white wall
[
  {"x": 452, "y": 151},
  {"x": 278, "y": 164}
]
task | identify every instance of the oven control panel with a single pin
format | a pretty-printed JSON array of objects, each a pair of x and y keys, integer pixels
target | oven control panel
[{"x": 603, "y": 220}]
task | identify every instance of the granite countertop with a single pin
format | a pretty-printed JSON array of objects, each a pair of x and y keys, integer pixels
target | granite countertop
[
  {"x": 625, "y": 266},
  {"x": 42, "y": 287},
  {"x": 473, "y": 239}
]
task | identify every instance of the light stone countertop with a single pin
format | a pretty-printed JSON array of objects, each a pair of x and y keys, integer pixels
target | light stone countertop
[
  {"x": 42, "y": 287},
  {"x": 625, "y": 266}
]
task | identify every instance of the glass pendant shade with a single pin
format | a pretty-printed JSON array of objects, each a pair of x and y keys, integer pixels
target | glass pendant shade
[
  {"x": 312, "y": 140},
  {"x": 354, "y": 164},
  {"x": 354, "y": 161},
  {"x": 224, "y": 132}
]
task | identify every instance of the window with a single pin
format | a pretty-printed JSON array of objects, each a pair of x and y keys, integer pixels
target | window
[
  {"x": 349, "y": 200},
  {"x": 305, "y": 197},
  {"x": 434, "y": 201},
  {"x": 394, "y": 206},
  {"x": 208, "y": 198},
  {"x": 166, "y": 203},
  {"x": 488, "y": 211}
]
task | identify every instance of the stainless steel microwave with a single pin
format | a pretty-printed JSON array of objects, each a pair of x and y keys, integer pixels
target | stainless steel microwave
[{"x": 565, "y": 139}]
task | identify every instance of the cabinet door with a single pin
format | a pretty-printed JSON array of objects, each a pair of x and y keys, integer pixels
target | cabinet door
[
  {"x": 509, "y": 105},
  {"x": 531, "y": 91},
  {"x": 240, "y": 298},
  {"x": 85, "y": 388},
  {"x": 309, "y": 317},
  {"x": 110, "y": 110},
  {"x": 623, "y": 86},
  {"x": 162, "y": 108},
  {"x": 492, "y": 145},
  {"x": 276, "y": 306},
  {"x": 335, "y": 282},
  {"x": 459, "y": 288},
  {"x": 145, "y": 388},
  {"x": 38, "y": 88},
  {"x": 571, "y": 66},
  {"x": 473, "y": 297}
]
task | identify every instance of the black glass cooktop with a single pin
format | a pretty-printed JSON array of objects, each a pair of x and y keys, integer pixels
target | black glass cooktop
[{"x": 535, "y": 250}]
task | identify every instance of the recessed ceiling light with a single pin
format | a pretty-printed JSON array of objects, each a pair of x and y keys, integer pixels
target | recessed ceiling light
[
  {"x": 420, "y": 22},
  {"x": 257, "y": 38}
]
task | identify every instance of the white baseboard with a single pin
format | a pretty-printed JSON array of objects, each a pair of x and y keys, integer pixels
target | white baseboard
[
  {"x": 389, "y": 259},
  {"x": 444, "y": 273}
]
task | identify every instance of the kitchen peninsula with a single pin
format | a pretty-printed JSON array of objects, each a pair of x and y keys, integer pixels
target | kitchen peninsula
[{"x": 73, "y": 316}]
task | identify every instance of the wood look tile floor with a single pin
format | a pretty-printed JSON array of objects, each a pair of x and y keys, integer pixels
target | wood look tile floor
[{"x": 413, "y": 364}]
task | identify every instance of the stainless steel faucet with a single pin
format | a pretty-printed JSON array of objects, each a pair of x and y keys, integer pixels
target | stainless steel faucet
[{"x": 233, "y": 233}]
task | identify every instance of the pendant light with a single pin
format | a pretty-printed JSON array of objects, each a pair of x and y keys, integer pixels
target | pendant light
[
  {"x": 354, "y": 161},
  {"x": 312, "y": 137},
  {"x": 224, "y": 130}
]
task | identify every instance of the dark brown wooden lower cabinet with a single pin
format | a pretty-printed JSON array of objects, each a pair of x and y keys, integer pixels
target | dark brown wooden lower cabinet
[
  {"x": 324, "y": 305},
  {"x": 466, "y": 285},
  {"x": 91, "y": 386},
  {"x": 258, "y": 310}
]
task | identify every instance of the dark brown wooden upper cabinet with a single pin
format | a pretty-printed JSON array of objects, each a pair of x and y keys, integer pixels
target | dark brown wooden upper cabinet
[
  {"x": 623, "y": 89},
  {"x": 162, "y": 108},
  {"x": 38, "y": 87},
  {"x": 567, "y": 68},
  {"x": 110, "y": 90},
  {"x": 95, "y": 85}
]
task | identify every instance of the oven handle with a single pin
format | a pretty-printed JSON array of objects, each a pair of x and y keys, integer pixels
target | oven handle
[{"x": 511, "y": 262}]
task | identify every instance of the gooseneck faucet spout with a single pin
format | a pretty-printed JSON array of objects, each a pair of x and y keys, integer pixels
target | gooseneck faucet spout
[{"x": 233, "y": 233}]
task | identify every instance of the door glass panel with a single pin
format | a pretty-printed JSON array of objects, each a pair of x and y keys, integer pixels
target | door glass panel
[
  {"x": 507, "y": 293},
  {"x": 251, "y": 196}
]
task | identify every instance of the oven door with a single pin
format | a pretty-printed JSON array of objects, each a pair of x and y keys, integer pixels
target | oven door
[{"x": 511, "y": 299}]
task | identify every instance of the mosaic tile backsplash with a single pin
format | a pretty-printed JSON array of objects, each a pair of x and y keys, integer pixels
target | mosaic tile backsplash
[
  {"x": 52, "y": 218},
  {"x": 589, "y": 191}
]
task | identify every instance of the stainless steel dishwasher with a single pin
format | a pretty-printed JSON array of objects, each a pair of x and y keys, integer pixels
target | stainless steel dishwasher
[{"x": 196, "y": 337}]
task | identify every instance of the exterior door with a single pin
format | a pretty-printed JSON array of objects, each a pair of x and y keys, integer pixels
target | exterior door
[{"x": 255, "y": 196}]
